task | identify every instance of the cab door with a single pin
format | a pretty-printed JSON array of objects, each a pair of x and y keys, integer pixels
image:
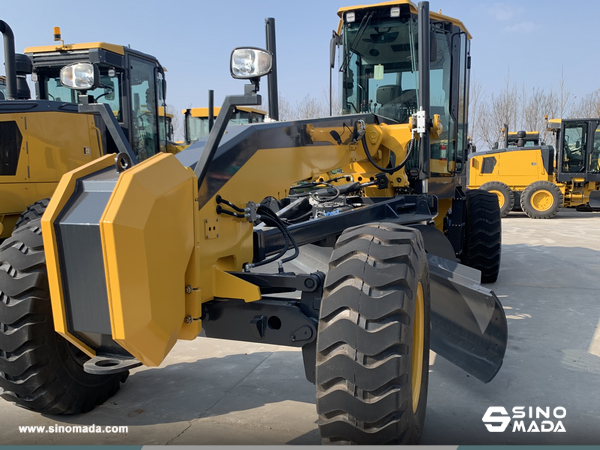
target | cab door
[
  {"x": 576, "y": 151},
  {"x": 593, "y": 173},
  {"x": 145, "y": 97}
]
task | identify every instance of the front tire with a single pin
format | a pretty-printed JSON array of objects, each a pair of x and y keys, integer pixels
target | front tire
[
  {"x": 373, "y": 341},
  {"x": 39, "y": 369},
  {"x": 483, "y": 235}
]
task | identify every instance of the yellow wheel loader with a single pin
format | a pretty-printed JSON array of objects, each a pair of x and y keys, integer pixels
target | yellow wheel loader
[
  {"x": 542, "y": 179},
  {"x": 131, "y": 256},
  {"x": 42, "y": 139}
]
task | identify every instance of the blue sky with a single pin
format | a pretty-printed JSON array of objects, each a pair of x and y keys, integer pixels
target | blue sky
[{"x": 534, "y": 41}]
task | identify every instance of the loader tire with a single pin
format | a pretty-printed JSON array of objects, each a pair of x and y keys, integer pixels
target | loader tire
[
  {"x": 33, "y": 211},
  {"x": 373, "y": 341},
  {"x": 506, "y": 197},
  {"x": 39, "y": 369},
  {"x": 483, "y": 234},
  {"x": 541, "y": 200}
]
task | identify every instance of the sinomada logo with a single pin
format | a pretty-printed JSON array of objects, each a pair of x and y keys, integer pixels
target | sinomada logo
[{"x": 525, "y": 419}]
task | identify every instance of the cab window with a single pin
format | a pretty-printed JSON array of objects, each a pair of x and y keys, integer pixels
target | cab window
[{"x": 145, "y": 138}]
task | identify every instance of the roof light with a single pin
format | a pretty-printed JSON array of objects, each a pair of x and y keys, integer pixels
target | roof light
[
  {"x": 350, "y": 17},
  {"x": 57, "y": 34},
  {"x": 395, "y": 11}
]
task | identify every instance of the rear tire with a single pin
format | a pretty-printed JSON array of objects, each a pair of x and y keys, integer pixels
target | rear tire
[
  {"x": 373, "y": 340},
  {"x": 541, "y": 200},
  {"x": 483, "y": 234},
  {"x": 33, "y": 211},
  {"x": 506, "y": 197},
  {"x": 517, "y": 195},
  {"x": 39, "y": 369}
]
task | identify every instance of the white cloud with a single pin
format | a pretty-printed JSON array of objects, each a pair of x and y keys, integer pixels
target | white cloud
[
  {"x": 521, "y": 27},
  {"x": 503, "y": 12}
]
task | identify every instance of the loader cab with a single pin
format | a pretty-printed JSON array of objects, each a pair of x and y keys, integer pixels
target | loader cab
[
  {"x": 379, "y": 74},
  {"x": 578, "y": 144},
  {"x": 196, "y": 120},
  {"x": 132, "y": 83}
]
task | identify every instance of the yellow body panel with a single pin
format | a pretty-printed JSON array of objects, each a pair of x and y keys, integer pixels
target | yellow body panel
[
  {"x": 176, "y": 147},
  {"x": 517, "y": 169},
  {"x": 54, "y": 143},
  {"x": 147, "y": 291},
  {"x": 56, "y": 48},
  {"x": 65, "y": 189}
]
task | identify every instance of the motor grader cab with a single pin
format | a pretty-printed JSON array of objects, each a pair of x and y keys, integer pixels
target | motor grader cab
[
  {"x": 197, "y": 120},
  {"x": 542, "y": 179},
  {"x": 42, "y": 139},
  {"x": 141, "y": 254}
]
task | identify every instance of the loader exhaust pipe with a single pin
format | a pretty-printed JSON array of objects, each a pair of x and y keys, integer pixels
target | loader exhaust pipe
[
  {"x": 211, "y": 109},
  {"x": 9, "y": 60},
  {"x": 272, "y": 77}
]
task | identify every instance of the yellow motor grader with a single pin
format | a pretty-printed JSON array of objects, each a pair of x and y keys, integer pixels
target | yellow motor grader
[
  {"x": 131, "y": 256},
  {"x": 41, "y": 139}
]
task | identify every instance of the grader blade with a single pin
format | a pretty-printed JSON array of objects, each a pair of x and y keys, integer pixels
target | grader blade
[
  {"x": 595, "y": 200},
  {"x": 468, "y": 324}
]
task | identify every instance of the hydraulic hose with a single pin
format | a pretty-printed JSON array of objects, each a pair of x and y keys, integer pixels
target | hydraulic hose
[{"x": 389, "y": 170}]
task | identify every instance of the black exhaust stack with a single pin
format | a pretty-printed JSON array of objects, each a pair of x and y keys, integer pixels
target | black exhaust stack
[
  {"x": 424, "y": 55},
  {"x": 9, "y": 60},
  {"x": 272, "y": 77},
  {"x": 211, "y": 109}
]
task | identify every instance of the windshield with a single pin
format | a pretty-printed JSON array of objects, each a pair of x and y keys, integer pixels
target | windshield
[
  {"x": 109, "y": 93},
  {"x": 2, "y": 89},
  {"x": 379, "y": 72}
]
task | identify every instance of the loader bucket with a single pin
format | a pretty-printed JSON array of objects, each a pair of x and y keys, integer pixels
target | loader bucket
[
  {"x": 468, "y": 324},
  {"x": 595, "y": 200}
]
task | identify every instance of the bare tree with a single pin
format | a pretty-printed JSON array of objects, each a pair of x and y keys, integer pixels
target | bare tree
[
  {"x": 177, "y": 122},
  {"x": 589, "y": 106},
  {"x": 307, "y": 108},
  {"x": 477, "y": 108}
]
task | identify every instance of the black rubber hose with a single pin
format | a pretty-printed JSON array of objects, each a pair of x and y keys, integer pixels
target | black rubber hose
[
  {"x": 228, "y": 203},
  {"x": 221, "y": 210},
  {"x": 265, "y": 211},
  {"x": 266, "y": 219},
  {"x": 391, "y": 169}
]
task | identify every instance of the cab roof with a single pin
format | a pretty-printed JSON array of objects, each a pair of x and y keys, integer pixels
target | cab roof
[
  {"x": 413, "y": 9},
  {"x": 118, "y": 49}
]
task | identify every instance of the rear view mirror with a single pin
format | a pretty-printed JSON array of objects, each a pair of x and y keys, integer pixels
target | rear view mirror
[
  {"x": 433, "y": 46},
  {"x": 335, "y": 41}
]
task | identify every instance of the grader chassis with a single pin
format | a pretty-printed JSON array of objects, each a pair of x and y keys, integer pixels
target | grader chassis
[{"x": 129, "y": 257}]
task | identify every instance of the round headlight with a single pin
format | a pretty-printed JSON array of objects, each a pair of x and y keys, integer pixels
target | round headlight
[
  {"x": 250, "y": 63},
  {"x": 80, "y": 76}
]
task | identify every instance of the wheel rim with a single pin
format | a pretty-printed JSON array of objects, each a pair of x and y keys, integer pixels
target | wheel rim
[
  {"x": 418, "y": 344},
  {"x": 500, "y": 197},
  {"x": 542, "y": 200}
]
